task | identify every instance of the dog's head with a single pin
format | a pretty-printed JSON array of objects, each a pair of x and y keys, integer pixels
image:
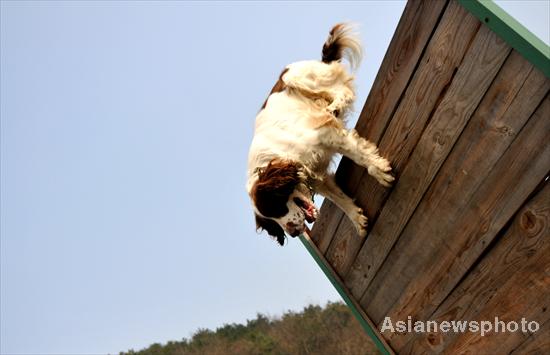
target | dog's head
[{"x": 282, "y": 200}]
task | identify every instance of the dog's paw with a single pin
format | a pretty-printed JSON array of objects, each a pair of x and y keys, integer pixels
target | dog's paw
[
  {"x": 383, "y": 177},
  {"x": 383, "y": 164},
  {"x": 360, "y": 221}
]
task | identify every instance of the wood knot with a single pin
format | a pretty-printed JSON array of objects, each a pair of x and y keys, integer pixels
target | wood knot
[
  {"x": 439, "y": 138},
  {"x": 434, "y": 339},
  {"x": 505, "y": 131},
  {"x": 528, "y": 220}
]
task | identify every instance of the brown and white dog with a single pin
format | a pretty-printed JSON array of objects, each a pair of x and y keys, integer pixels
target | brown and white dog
[{"x": 298, "y": 130}]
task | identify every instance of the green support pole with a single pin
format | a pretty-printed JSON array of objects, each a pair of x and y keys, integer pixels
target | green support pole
[{"x": 338, "y": 285}]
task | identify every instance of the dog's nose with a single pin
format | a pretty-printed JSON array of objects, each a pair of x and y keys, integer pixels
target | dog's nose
[{"x": 292, "y": 229}]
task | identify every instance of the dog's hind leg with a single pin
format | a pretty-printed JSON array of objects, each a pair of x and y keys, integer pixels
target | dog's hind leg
[
  {"x": 316, "y": 80},
  {"x": 330, "y": 190},
  {"x": 358, "y": 149}
]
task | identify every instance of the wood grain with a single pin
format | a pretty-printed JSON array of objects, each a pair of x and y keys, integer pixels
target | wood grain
[
  {"x": 536, "y": 344},
  {"x": 409, "y": 41},
  {"x": 508, "y": 104},
  {"x": 456, "y": 243},
  {"x": 326, "y": 225},
  {"x": 506, "y": 267},
  {"x": 526, "y": 291},
  {"x": 445, "y": 52}
]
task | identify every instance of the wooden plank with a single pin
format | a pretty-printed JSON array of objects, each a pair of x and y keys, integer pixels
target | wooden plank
[
  {"x": 411, "y": 36},
  {"x": 506, "y": 107},
  {"x": 457, "y": 240},
  {"x": 524, "y": 295},
  {"x": 326, "y": 225},
  {"x": 445, "y": 52},
  {"x": 536, "y": 344},
  {"x": 414, "y": 30},
  {"x": 491, "y": 285}
]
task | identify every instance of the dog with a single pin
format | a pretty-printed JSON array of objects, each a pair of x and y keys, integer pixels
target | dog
[{"x": 299, "y": 128}]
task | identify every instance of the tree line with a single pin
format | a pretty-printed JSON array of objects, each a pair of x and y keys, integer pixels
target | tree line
[{"x": 330, "y": 330}]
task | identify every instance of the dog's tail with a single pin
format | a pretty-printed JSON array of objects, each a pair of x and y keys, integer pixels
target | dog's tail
[{"x": 343, "y": 42}]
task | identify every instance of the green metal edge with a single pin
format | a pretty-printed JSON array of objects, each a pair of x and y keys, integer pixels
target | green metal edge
[
  {"x": 511, "y": 31},
  {"x": 326, "y": 270}
]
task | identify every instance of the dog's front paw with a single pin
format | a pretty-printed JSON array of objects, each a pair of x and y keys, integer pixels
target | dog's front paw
[
  {"x": 383, "y": 177},
  {"x": 383, "y": 164}
]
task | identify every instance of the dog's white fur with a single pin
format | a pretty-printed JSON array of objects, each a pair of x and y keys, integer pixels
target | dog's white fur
[{"x": 303, "y": 123}]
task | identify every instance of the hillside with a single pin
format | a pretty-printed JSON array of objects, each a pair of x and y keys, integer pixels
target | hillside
[{"x": 329, "y": 330}]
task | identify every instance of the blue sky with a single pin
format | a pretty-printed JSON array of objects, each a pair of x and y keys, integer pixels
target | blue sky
[{"x": 124, "y": 135}]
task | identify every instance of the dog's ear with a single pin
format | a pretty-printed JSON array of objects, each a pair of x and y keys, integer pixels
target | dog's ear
[
  {"x": 272, "y": 228},
  {"x": 274, "y": 186}
]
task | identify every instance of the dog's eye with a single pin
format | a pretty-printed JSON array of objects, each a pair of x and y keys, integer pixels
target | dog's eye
[{"x": 299, "y": 202}]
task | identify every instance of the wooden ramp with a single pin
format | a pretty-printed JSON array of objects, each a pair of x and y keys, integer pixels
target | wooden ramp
[{"x": 461, "y": 108}]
